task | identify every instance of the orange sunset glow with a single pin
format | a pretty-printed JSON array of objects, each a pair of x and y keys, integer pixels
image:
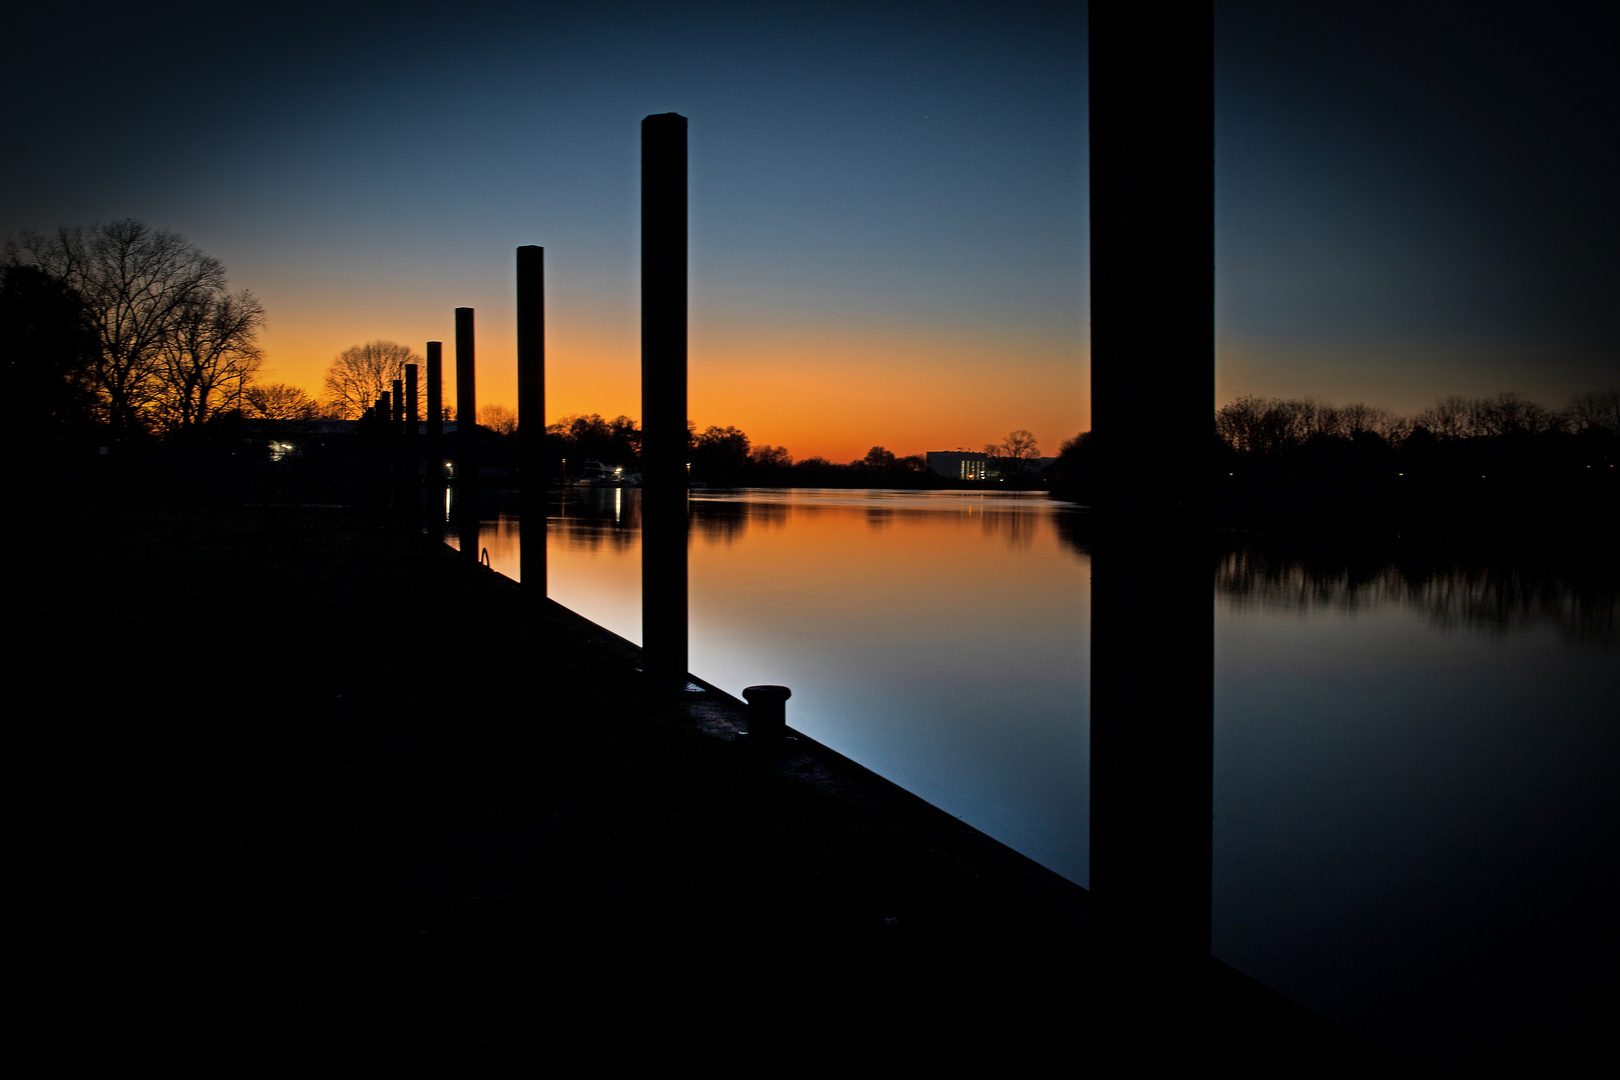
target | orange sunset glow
[{"x": 818, "y": 390}]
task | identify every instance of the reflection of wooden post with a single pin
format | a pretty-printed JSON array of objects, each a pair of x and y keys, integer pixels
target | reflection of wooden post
[
  {"x": 1152, "y": 638},
  {"x": 663, "y": 399},
  {"x": 466, "y": 438},
  {"x": 531, "y": 359},
  {"x": 434, "y": 450}
]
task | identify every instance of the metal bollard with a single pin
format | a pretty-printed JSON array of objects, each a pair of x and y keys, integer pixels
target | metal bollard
[{"x": 767, "y": 711}]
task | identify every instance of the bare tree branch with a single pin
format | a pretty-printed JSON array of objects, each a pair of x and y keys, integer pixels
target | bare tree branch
[
  {"x": 169, "y": 335},
  {"x": 361, "y": 374}
]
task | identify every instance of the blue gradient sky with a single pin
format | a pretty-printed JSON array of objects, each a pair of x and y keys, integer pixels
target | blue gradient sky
[{"x": 888, "y": 201}]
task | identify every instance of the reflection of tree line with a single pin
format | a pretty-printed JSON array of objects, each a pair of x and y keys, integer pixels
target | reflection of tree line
[
  {"x": 725, "y": 521},
  {"x": 1482, "y": 590},
  {"x": 593, "y": 518},
  {"x": 1577, "y": 590},
  {"x": 1015, "y": 528},
  {"x": 597, "y": 518}
]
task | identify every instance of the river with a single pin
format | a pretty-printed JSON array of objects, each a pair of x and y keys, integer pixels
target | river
[{"x": 1415, "y": 812}]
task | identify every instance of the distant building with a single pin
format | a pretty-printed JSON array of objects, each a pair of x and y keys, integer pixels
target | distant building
[{"x": 960, "y": 464}]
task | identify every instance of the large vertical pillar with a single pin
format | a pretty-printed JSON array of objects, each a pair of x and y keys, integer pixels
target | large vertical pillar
[
  {"x": 663, "y": 399},
  {"x": 1152, "y": 362},
  {"x": 466, "y": 437},
  {"x": 434, "y": 451},
  {"x": 531, "y": 360}
]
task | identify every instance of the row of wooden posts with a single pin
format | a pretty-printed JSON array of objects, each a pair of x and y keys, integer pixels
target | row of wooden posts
[
  {"x": 663, "y": 408},
  {"x": 1152, "y": 315}
]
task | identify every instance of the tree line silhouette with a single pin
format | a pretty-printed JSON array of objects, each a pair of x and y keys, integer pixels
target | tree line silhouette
[
  {"x": 1503, "y": 464},
  {"x": 125, "y": 336},
  {"x": 132, "y": 328},
  {"x": 131, "y": 362},
  {"x": 726, "y": 457},
  {"x": 119, "y": 338},
  {"x": 719, "y": 457}
]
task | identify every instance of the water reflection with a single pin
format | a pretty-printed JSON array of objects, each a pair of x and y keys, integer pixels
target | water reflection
[
  {"x": 1496, "y": 593},
  {"x": 1415, "y": 810},
  {"x": 724, "y": 522},
  {"x": 592, "y": 518},
  {"x": 1414, "y": 786}
]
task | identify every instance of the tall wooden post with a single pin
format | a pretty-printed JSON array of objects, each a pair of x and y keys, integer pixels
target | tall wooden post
[
  {"x": 531, "y": 360},
  {"x": 663, "y": 400},
  {"x": 413, "y": 445},
  {"x": 396, "y": 450},
  {"x": 434, "y": 451},
  {"x": 1152, "y": 363},
  {"x": 466, "y": 437},
  {"x": 378, "y": 424}
]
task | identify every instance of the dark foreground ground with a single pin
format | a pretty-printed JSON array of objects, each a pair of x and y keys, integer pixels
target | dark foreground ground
[{"x": 307, "y": 781}]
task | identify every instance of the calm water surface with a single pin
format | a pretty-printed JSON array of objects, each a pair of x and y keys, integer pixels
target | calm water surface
[{"x": 1416, "y": 830}]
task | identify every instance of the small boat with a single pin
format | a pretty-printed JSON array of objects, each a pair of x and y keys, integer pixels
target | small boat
[{"x": 595, "y": 474}]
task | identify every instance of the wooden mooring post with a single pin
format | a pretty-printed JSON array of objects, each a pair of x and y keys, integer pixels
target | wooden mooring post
[
  {"x": 531, "y": 362},
  {"x": 663, "y": 400},
  {"x": 413, "y": 446},
  {"x": 466, "y": 438},
  {"x": 434, "y": 438}
]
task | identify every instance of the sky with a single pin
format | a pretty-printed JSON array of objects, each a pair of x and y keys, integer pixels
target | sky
[{"x": 888, "y": 205}]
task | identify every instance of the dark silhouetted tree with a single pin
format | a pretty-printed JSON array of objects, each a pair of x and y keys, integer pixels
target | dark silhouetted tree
[
  {"x": 498, "y": 418},
  {"x": 878, "y": 458},
  {"x": 1073, "y": 473},
  {"x": 1020, "y": 448},
  {"x": 1448, "y": 418},
  {"x": 162, "y": 318},
  {"x": 50, "y": 347},
  {"x": 1509, "y": 414},
  {"x": 1014, "y": 456},
  {"x": 279, "y": 401},
  {"x": 361, "y": 374},
  {"x": 720, "y": 455},
  {"x": 578, "y": 439},
  {"x": 209, "y": 359},
  {"x": 1594, "y": 412},
  {"x": 771, "y": 457}
]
